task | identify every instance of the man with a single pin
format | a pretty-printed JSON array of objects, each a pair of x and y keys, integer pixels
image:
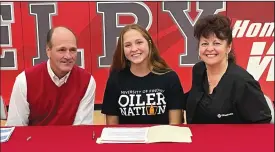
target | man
[{"x": 56, "y": 92}]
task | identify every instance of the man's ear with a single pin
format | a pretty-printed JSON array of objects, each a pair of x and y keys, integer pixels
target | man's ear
[{"x": 48, "y": 51}]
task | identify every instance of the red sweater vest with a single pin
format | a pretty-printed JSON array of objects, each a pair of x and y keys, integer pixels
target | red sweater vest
[{"x": 50, "y": 104}]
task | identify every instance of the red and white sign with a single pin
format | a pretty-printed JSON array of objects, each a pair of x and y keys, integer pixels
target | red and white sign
[{"x": 24, "y": 26}]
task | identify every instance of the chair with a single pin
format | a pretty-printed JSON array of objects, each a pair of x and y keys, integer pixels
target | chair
[
  {"x": 3, "y": 109},
  {"x": 271, "y": 106}
]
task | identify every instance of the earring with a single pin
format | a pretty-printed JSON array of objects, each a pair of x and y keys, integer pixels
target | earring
[{"x": 199, "y": 56}]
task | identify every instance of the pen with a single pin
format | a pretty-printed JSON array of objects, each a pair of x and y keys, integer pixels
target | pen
[{"x": 93, "y": 134}]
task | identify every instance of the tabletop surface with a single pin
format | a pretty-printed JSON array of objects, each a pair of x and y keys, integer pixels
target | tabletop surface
[{"x": 221, "y": 138}]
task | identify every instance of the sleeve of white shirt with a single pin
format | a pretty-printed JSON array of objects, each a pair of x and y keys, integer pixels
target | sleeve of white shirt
[
  {"x": 85, "y": 112},
  {"x": 18, "y": 114}
]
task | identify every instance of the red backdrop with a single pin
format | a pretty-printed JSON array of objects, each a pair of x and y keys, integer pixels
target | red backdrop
[{"x": 89, "y": 21}]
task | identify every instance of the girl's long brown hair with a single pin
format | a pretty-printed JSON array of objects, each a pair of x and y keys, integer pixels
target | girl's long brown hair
[{"x": 158, "y": 64}]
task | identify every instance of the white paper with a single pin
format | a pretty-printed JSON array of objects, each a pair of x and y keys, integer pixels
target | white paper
[
  {"x": 124, "y": 135},
  {"x": 6, "y": 133}
]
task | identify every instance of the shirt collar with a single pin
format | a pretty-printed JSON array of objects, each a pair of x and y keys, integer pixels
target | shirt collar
[{"x": 53, "y": 76}]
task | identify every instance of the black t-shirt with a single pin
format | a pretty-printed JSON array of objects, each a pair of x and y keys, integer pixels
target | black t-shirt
[{"x": 142, "y": 100}]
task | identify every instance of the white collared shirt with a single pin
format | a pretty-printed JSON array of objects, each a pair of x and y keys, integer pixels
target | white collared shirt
[
  {"x": 19, "y": 111},
  {"x": 56, "y": 80}
]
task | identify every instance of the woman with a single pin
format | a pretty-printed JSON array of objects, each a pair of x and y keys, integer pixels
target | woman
[
  {"x": 222, "y": 92},
  {"x": 141, "y": 88}
]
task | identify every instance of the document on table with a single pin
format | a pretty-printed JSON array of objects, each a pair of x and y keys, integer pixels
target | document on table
[
  {"x": 167, "y": 133},
  {"x": 160, "y": 133},
  {"x": 124, "y": 135},
  {"x": 6, "y": 133}
]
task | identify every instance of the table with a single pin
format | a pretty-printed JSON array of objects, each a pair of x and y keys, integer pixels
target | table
[{"x": 208, "y": 138}]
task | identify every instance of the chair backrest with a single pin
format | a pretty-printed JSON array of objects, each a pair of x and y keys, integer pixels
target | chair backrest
[
  {"x": 271, "y": 106},
  {"x": 3, "y": 109}
]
